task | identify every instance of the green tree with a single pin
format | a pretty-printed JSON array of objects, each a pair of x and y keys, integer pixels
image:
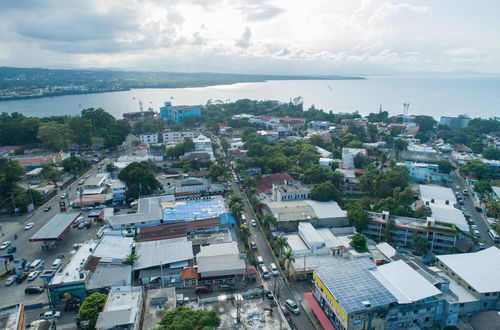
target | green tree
[
  {"x": 361, "y": 161},
  {"x": 422, "y": 212},
  {"x": 53, "y": 135},
  {"x": 475, "y": 167},
  {"x": 421, "y": 244},
  {"x": 358, "y": 217},
  {"x": 140, "y": 179},
  {"x": 74, "y": 164},
  {"x": 91, "y": 307},
  {"x": 131, "y": 258},
  {"x": 445, "y": 166},
  {"x": 244, "y": 232},
  {"x": 217, "y": 171},
  {"x": 318, "y": 174},
  {"x": 493, "y": 208},
  {"x": 280, "y": 244},
  {"x": 99, "y": 119},
  {"x": 185, "y": 318},
  {"x": 110, "y": 168},
  {"x": 400, "y": 145},
  {"x": 269, "y": 221},
  {"x": 387, "y": 230},
  {"x": 80, "y": 130},
  {"x": 483, "y": 187},
  {"x": 49, "y": 172},
  {"x": 237, "y": 209},
  {"x": 493, "y": 154},
  {"x": 358, "y": 242},
  {"x": 288, "y": 259},
  {"x": 426, "y": 123},
  {"x": 325, "y": 191}
]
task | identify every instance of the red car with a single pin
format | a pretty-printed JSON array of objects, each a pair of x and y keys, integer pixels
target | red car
[{"x": 203, "y": 289}]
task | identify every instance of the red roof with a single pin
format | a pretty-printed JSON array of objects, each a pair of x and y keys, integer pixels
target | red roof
[
  {"x": 173, "y": 230},
  {"x": 266, "y": 183},
  {"x": 316, "y": 308},
  {"x": 190, "y": 273},
  {"x": 251, "y": 270}
]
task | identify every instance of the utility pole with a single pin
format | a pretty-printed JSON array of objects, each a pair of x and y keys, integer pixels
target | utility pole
[
  {"x": 31, "y": 197},
  {"x": 161, "y": 270},
  {"x": 14, "y": 203}
]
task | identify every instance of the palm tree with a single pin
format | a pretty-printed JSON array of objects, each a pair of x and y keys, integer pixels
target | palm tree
[
  {"x": 493, "y": 208},
  {"x": 269, "y": 221},
  {"x": 237, "y": 209},
  {"x": 245, "y": 233},
  {"x": 281, "y": 243},
  {"x": 289, "y": 258}
]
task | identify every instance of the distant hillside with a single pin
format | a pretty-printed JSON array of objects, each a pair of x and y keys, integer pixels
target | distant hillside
[{"x": 99, "y": 80}]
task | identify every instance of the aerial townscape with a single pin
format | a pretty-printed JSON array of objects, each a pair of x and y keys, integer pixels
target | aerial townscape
[{"x": 249, "y": 165}]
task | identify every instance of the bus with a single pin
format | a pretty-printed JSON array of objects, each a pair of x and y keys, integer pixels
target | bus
[{"x": 494, "y": 236}]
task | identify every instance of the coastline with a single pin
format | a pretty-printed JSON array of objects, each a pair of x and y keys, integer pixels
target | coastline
[{"x": 194, "y": 85}]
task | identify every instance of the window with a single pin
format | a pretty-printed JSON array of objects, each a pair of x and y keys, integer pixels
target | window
[
  {"x": 487, "y": 294},
  {"x": 427, "y": 319},
  {"x": 462, "y": 305}
]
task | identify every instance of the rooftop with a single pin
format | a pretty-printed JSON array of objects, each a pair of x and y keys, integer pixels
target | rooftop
[
  {"x": 55, "y": 227},
  {"x": 117, "y": 247},
  {"x": 158, "y": 302},
  {"x": 163, "y": 252},
  {"x": 428, "y": 192},
  {"x": 220, "y": 259},
  {"x": 266, "y": 182},
  {"x": 71, "y": 272},
  {"x": 304, "y": 209},
  {"x": 481, "y": 270},
  {"x": 96, "y": 180},
  {"x": 106, "y": 276},
  {"x": 10, "y": 316},
  {"x": 404, "y": 282},
  {"x": 121, "y": 307},
  {"x": 191, "y": 210},
  {"x": 354, "y": 286}
]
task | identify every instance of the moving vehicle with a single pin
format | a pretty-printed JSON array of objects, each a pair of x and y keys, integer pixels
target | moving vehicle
[
  {"x": 33, "y": 275},
  {"x": 465, "y": 192},
  {"x": 253, "y": 245},
  {"x": 494, "y": 235},
  {"x": 226, "y": 287},
  {"x": 274, "y": 269},
  {"x": 80, "y": 182},
  {"x": 56, "y": 264},
  {"x": 203, "y": 289},
  {"x": 29, "y": 226},
  {"x": 476, "y": 233},
  {"x": 292, "y": 306},
  {"x": 36, "y": 263},
  {"x": 50, "y": 315},
  {"x": 11, "y": 249},
  {"x": 478, "y": 209},
  {"x": 63, "y": 196},
  {"x": 474, "y": 227},
  {"x": 33, "y": 289},
  {"x": 10, "y": 280},
  {"x": 243, "y": 218},
  {"x": 260, "y": 261},
  {"x": 47, "y": 208},
  {"x": 5, "y": 245},
  {"x": 265, "y": 273},
  {"x": 481, "y": 246},
  {"x": 253, "y": 222},
  {"x": 285, "y": 312}
]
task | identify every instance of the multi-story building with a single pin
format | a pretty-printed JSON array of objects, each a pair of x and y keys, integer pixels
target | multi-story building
[
  {"x": 123, "y": 309},
  {"x": 455, "y": 123},
  {"x": 149, "y": 138},
  {"x": 356, "y": 294},
  {"x": 202, "y": 143},
  {"x": 442, "y": 238},
  {"x": 424, "y": 172},
  {"x": 348, "y": 155},
  {"x": 289, "y": 191},
  {"x": 178, "y": 114},
  {"x": 172, "y": 137},
  {"x": 477, "y": 274}
]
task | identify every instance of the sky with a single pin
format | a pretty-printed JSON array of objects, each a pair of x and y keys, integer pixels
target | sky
[{"x": 253, "y": 36}]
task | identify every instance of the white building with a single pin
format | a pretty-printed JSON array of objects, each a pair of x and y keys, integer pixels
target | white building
[
  {"x": 173, "y": 137},
  {"x": 123, "y": 309},
  {"x": 348, "y": 155},
  {"x": 149, "y": 138},
  {"x": 289, "y": 191},
  {"x": 202, "y": 143},
  {"x": 441, "y": 200},
  {"x": 326, "y": 162}
]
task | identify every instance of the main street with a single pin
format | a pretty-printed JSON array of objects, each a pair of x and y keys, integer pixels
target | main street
[
  {"x": 32, "y": 250},
  {"x": 478, "y": 219}
]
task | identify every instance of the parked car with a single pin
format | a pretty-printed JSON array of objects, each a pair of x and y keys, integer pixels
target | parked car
[
  {"x": 479, "y": 209},
  {"x": 47, "y": 208},
  {"x": 491, "y": 221},
  {"x": 253, "y": 245},
  {"x": 33, "y": 275},
  {"x": 481, "y": 246},
  {"x": 5, "y": 245},
  {"x": 29, "y": 226},
  {"x": 10, "y": 280},
  {"x": 203, "y": 289},
  {"x": 226, "y": 287},
  {"x": 253, "y": 222},
  {"x": 63, "y": 196},
  {"x": 82, "y": 225},
  {"x": 50, "y": 315},
  {"x": 20, "y": 278},
  {"x": 474, "y": 227},
  {"x": 80, "y": 182},
  {"x": 292, "y": 306},
  {"x": 11, "y": 249},
  {"x": 477, "y": 233},
  {"x": 33, "y": 289}
]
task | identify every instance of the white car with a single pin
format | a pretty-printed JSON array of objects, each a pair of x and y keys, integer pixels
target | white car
[
  {"x": 29, "y": 226},
  {"x": 292, "y": 306},
  {"x": 33, "y": 275},
  {"x": 10, "y": 280},
  {"x": 63, "y": 196},
  {"x": 274, "y": 269},
  {"x": 476, "y": 233},
  {"x": 253, "y": 222},
  {"x": 5, "y": 245},
  {"x": 50, "y": 315}
]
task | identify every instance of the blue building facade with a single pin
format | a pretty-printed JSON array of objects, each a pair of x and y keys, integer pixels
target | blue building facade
[{"x": 177, "y": 114}]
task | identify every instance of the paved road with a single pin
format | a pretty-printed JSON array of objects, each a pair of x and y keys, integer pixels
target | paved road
[
  {"x": 478, "y": 219},
  {"x": 32, "y": 250}
]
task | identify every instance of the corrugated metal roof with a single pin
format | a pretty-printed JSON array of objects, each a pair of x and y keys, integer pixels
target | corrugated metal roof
[
  {"x": 110, "y": 275},
  {"x": 55, "y": 227},
  {"x": 163, "y": 252}
]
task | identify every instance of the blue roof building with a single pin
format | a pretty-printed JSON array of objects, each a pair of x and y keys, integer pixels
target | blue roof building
[{"x": 178, "y": 114}]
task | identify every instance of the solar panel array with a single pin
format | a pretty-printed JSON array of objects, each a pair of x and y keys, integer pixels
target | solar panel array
[{"x": 351, "y": 284}]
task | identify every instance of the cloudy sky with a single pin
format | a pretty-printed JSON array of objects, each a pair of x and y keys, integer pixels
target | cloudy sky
[{"x": 252, "y": 36}]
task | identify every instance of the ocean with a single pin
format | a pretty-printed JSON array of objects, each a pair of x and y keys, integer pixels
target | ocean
[{"x": 452, "y": 95}]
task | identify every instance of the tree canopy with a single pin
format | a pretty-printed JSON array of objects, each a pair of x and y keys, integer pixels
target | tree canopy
[
  {"x": 358, "y": 242},
  {"x": 445, "y": 166},
  {"x": 325, "y": 191},
  {"x": 140, "y": 179},
  {"x": 91, "y": 307},
  {"x": 475, "y": 167},
  {"x": 184, "y": 318}
]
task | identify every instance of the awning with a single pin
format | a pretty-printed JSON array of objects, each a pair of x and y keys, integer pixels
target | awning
[{"x": 316, "y": 308}]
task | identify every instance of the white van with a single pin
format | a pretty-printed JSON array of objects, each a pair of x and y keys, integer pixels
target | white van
[
  {"x": 56, "y": 264},
  {"x": 260, "y": 261},
  {"x": 265, "y": 273},
  {"x": 36, "y": 263},
  {"x": 274, "y": 269}
]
